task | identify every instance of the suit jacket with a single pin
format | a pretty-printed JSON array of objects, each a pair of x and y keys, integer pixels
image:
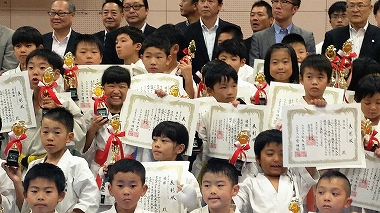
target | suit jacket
[
  {"x": 247, "y": 43},
  {"x": 370, "y": 46},
  {"x": 261, "y": 41},
  {"x": 194, "y": 32},
  {"x": 110, "y": 55},
  {"x": 48, "y": 41},
  {"x": 182, "y": 25},
  {"x": 100, "y": 35},
  {"x": 8, "y": 59}
]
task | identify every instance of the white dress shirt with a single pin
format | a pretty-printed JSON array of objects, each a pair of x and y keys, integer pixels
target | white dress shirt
[
  {"x": 209, "y": 36},
  {"x": 357, "y": 38},
  {"x": 60, "y": 46}
]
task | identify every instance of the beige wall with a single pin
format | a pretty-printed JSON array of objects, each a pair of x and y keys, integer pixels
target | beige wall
[{"x": 312, "y": 15}]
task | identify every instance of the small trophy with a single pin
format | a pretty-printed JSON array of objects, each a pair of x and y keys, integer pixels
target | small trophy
[
  {"x": 242, "y": 145},
  {"x": 71, "y": 82},
  {"x": 345, "y": 63},
  {"x": 331, "y": 55},
  {"x": 47, "y": 85},
  {"x": 260, "y": 83},
  {"x": 115, "y": 149},
  {"x": 174, "y": 91},
  {"x": 14, "y": 147},
  {"x": 371, "y": 142},
  {"x": 99, "y": 97},
  {"x": 189, "y": 51},
  {"x": 295, "y": 205}
]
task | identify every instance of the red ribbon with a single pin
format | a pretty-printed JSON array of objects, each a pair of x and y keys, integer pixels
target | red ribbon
[
  {"x": 49, "y": 89},
  {"x": 260, "y": 88},
  {"x": 70, "y": 72},
  {"x": 16, "y": 141},
  {"x": 335, "y": 62},
  {"x": 101, "y": 156},
  {"x": 347, "y": 58},
  {"x": 371, "y": 141},
  {"x": 201, "y": 87},
  {"x": 240, "y": 150},
  {"x": 98, "y": 101}
]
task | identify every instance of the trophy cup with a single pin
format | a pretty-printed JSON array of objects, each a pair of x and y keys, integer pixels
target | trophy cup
[
  {"x": 346, "y": 63},
  {"x": 331, "y": 55},
  {"x": 242, "y": 145},
  {"x": 71, "y": 82},
  {"x": 371, "y": 142},
  {"x": 189, "y": 51},
  {"x": 47, "y": 85},
  {"x": 260, "y": 95},
  {"x": 99, "y": 97},
  {"x": 14, "y": 147},
  {"x": 116, "y": 148}
]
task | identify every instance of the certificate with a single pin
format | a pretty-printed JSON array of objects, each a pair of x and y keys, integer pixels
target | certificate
[
  {"x": 365, "y": 187},
  {"x": 227, "y": 121},
  {"x": 245, "y": 93},
  {"x": 87, "y": 76},
  {"x": 16, "y": 101},
  {"x": 148, "y": 83},
  {"x": 162, "y": 179},
  {"x": 143, "y": 111},
  {"x": 286, "y": 94},
  {"x": 322, "y": 137}
]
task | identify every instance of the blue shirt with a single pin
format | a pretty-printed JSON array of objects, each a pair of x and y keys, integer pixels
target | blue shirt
[{"x": 281, "y": 33}]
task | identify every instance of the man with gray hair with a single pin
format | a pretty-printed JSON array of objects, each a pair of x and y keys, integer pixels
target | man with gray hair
[{"x": 61, "y": 40}]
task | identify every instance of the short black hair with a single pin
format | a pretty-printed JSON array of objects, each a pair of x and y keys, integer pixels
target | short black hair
[
  {"x": 48, "y": 172},
  {"x": 218, "y": 166},
  {"x": 318, "y": 62},
  {"x": 376, "y": 7},
  {"x": 175, "y": 36},
  {"x": 297, "y": 3},
  {"x": 368, "y": 86},
  {"x": 265, "y": 4},
  {"x": 157, "y": 41},
  {"x": 174, "y": 131},
  {"x": 88, "y": 39},
  {"x": 145, "y": 2},
  {"x": 294, "y": 78},
  {"x": 62, "y": 116},
  {"x": 55, "y": 61},
  {"x": 136, "y": 35},
  {"x": 293, "y": 38},
  {"x": 233, "y": 30},
  {"x": 116, "y": 75},
  {"x": 337, "y": 7},
  {"x": 266, "y": 137},
  {"x": 233, "y": 46},
  {"x": 216, "y": 71},
  {"x": 361, "y": 67},
  {"x": 333, "y": 174},
  {"x": 127, "y": 165},
  {"x": 118, "y": 2},
  {"x": 27, "y": 34}
]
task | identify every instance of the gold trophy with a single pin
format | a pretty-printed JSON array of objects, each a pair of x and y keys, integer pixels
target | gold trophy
[
  {"x": 295, "y": 205},
  {"x": 13, "y": 154},
  {"x": 260, "y": 85},
  {"x": 48, "y": 80},
  {"x": 371, "y": 143},
  {"x": 100, "y": 106},
  {"x": 174, "y": 91},
  {"x": 345, "y": 70},
  {"x": 243, "y": 137},
  {"x": 70, "y": 77},
  {"x": 189, "y": 51},
  {"x": 115, "y": 150},
  {"x": 331, "y": 54}
]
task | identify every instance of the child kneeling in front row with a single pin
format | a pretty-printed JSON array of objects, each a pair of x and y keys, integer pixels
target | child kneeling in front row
[
  {"x": 127, "y": 185},
  {"x": 277, "y": 187},
  {"x": 44, "y": 187}
]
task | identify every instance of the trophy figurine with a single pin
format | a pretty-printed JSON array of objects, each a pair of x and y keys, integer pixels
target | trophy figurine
[
  {"x": 115, "y": 129},
  {"x": 295, "y": 205},
  {"x": 346, "y": 63},
  {"x": 260, "y": 83},
  {"x": 14, "y": 147},
  {"x": 71, "y": 82},
  {"x": 189, "y": 51},
  {"x": 371, "y": 143},
  {"x": 331, "y": 55},
  {"x": 174, "y": 91},
  {"x": 47, "y": 85},
  {"x": 99, "y": 97},
  {"x": 242, "y": 144}
]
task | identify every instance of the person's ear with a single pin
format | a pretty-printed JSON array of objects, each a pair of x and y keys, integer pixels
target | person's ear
[
  {"x": 210, "y": 91},
  {"x": 110, "y": 189},
  {"x": 40, "y": 46},
  {"x": 61, "y": 196},
  {"x": 57, "y": 73},
  {"x": 235, "y": 189},
  {"x": 144, "y": 189},
  {"x": 242, "y": 62},
  {"x": 348, "y": 203},
  {"x": 180, "y": 148},
  {"x": 175, "y": 48},
  {"x": 257, "y": 160},
  {"x": 25, "y": 195},
  {"x": 138, "y": 47},
  {"x": 168, "y": 60},
  {"x": 301, "y": 79},
  {"x": 70, "y": 137}
]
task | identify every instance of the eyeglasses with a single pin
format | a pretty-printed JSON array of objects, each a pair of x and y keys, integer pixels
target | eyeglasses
[
  {"x": 360, "y": 6},
  {"x": 60, "y": 13},
  {"x": 283, "y": 2},
  {"x": 135, "y": 7}
]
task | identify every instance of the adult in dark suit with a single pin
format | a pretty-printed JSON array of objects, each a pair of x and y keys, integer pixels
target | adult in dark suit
[
  {"x": 8, "y": 59},
  {"x": 135, "y": 13},
  {"x": 358, "y": 14},
  {"x": 189, "y": 10},
  {"x": 61, "y": 40},
  {"x": 283, "y": 11},
  {"x": 211, "y": 24},
  {"x": 261, "y": 18},
  {"x": 112, "y": 14}
]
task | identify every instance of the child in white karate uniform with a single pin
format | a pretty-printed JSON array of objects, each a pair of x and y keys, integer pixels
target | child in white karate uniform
[
  {"x": 277, "y": 187},
  {"x": 127, "y": 185},
  {"x": 219, "y": 181}
]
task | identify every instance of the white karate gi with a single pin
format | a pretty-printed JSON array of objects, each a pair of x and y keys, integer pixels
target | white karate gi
[
  {"x": 137, "y": 210},
  {"x": 205, "y": 210},
  {"x": 7, "y": 191}
]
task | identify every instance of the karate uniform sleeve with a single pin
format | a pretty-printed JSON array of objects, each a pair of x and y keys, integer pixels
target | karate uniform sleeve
[
  {"x": 203, "y": 133},
  {"x": 7, "y": 192},
  {"x": 243, "y": 199},
  {"x": 190, "y": 195},
  {"x": 304, "y": 180}
]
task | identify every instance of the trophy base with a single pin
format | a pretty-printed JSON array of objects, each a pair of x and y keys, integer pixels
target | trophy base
[
  {"x": 103, "y": 112},
  {"x": 12, "y": 158},
  {"x": 239, "y": 166},
  {"x": 74, "y": 94},
  {"x": 263, "y": 101}
]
